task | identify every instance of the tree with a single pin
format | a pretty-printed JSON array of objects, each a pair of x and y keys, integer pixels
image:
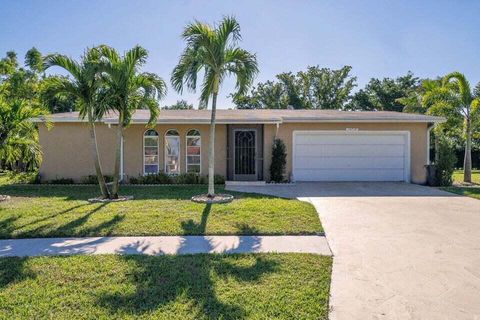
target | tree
[
  {"x": 18, "y": 135},
  {"x": 383, "y": 95},
  {"x": 180, "y": 105},
  {"x": 468, "y": 108},
  {"x": 34, "y": 60},
  {"x": 213, "y": 49},
  {"x": 19, "y": 99},
  {"x": 125, "y": 90},
  {"x": 315, "y": 88},
  {"x": 84, "y": 85}
]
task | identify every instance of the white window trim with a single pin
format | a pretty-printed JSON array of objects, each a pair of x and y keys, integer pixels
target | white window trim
[
  {"x": 165, "y": 155},
  {"x": 186, "y": 149},
  {"x": 158, "y": 150}
]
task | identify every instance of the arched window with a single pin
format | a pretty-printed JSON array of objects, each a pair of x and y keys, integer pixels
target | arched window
[
  {"x": 194, "y": 144},
  {"x": 150, "y": 152},
  {"x": 172, "y": 152}
]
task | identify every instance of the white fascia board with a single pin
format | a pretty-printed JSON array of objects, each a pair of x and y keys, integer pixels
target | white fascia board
[{"x": 363, "y": 120}]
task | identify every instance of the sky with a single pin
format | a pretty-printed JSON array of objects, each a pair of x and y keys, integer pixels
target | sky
[{"x": 378, "y": 38}]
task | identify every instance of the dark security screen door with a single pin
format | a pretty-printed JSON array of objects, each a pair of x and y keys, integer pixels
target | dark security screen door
[{"x": 245, "y": 152}]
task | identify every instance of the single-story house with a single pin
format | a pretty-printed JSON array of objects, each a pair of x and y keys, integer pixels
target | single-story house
[{"x": 322, "y": 145}]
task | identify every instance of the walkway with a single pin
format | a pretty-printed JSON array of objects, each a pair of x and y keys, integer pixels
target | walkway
[{"x": 164, "y": 245}]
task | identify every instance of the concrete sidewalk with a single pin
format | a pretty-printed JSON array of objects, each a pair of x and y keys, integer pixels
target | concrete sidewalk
[{"x": 164, "y": 245}]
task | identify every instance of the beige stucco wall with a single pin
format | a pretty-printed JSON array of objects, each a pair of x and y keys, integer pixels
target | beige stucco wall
[
  {"x": 418, "y": 141},
  {"x": 67, "y": 151}
]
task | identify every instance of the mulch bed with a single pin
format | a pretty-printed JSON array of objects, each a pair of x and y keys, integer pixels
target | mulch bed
[
  {"x": 218, "y": 198},
  {"x": 103, "y": 200}
]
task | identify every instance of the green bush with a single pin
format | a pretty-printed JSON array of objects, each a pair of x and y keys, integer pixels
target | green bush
[
  {"x": 92, "y": 179},
  {"x": 183, "y": 178},
  {"x": 219, "y": 179},
  {"x": 279, "y": 161},
  {"x": 446, "y": 162},
  {"x": 187, "y": 178},
  {"x": 61, "y": 181},
  {"x": 157, "y": 178},
  {"x": 23, "y": 177}
]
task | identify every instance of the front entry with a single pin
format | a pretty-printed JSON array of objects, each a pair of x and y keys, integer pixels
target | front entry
[{"x": 245, "y": 153}]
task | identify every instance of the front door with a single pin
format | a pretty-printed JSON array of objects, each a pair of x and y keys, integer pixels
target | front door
[{"x": 245, "y": 155}]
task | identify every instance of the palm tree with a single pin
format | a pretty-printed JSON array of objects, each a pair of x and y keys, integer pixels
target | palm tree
[
  {"x": 84, "y": 85},
  {"x": 213, "y": 50},
  {"x": 18, "y": 135},
  {"x": 127, "y": 89},
  {"x": 468, "y": 103}
]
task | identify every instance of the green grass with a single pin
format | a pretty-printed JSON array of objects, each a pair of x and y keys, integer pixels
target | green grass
[
  {"x": 253, "y": 286},
  {"x": 458, "y": 176},
  {"x": 62, "y": 211},
  {"x": 473, "y": 192}
]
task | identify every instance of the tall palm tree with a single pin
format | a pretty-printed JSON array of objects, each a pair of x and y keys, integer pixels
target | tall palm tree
[
  {"x": 468, "y": 108},
  {"x": 84, "y": 85},
  {"x": 128, "y": 89},
  {"x": 213, "y": 50}
]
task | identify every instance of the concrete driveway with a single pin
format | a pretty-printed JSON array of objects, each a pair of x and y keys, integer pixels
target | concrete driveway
[{"x": 401, "y": 251}]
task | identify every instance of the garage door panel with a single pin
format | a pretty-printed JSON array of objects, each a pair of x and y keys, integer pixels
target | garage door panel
[
  {"x": 334, "y": 139},
  {"x": 349, "y": 175},
  {"x": 336, "y": 163},
  {"x": 322, "y": 150},
  {"x": 350, "y": 156}
]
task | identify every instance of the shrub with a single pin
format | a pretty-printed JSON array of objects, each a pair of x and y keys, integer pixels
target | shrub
[
  {"x": 157, "y": 178},
  {"x": 279, "y": 161},
  {"x": 446, "y": 162},
  {"x": 187, "y": 178},
  {"x": 24, "y": 177},
  {"x": 219, "y": 179},
  {"x": 183, "y": 178},
  {"x": 92, "y": 179},
  {"x": 61, "y": 181}
]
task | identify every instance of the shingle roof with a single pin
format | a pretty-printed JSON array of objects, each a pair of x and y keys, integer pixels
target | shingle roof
[{"x": 260, "y": 116}]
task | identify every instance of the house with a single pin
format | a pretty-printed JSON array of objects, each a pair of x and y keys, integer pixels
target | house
[{"x": 322, "y": 145}]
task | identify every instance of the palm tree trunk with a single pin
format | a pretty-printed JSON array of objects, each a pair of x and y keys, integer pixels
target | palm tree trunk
[
  {"x": 467, "y": 162},
  {"x": 118, "y": 149},
  {"x": 211, "y": 149},
  {"x": 96, "y": 160}
]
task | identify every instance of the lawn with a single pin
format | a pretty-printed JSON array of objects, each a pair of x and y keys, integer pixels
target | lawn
[
  {"x": 62, "y": 211},
  {"x": 472, "y": 191},
  {"x": 458, "y": 176},
  {"x": 253, "y": 286}
]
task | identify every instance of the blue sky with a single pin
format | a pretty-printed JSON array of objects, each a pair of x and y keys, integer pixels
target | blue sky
[{"x": 377, "y": 38}]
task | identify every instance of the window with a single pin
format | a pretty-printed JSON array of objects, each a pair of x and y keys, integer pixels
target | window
[
  {"x": 193, "y": 151},
  {"x": 172, "y": 152},
  {"x": 150, "y": 152}
]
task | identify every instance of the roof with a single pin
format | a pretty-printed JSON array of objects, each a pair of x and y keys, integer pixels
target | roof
[{"x": 258, "y": 116}]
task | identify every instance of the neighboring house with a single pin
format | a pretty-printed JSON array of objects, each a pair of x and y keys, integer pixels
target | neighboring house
[{"x": 322, "y": 145}]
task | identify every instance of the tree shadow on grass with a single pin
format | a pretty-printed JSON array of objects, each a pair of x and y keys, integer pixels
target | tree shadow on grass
[
  {"x": 13, "y": 270},
  {"x": 163, "y": 280},
  {"x": 192, "y": 227},
  {"x": 160, "y": 281},
  {"x": 75, "y": 227}
]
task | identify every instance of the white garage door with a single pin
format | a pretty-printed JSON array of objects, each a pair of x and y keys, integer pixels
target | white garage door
[{"x": 351, "y": 156}]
